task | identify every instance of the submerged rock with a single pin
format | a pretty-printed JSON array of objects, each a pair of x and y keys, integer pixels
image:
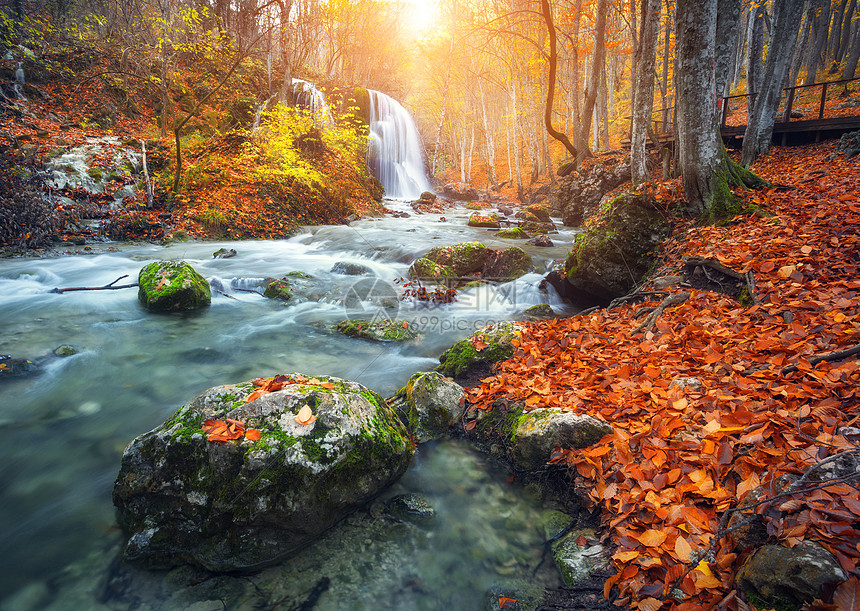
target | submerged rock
[
  {"x": 411, "y": 507},
  {"x": 429, "y": 405},
  {"x": 378, "y": 331},
  {"x": 241, "y": 504},
  {"x": 345, "y": 268},
  {"x": 540, "y": 431},
  {"x": 541, "y": 240},
  {"x": 224, "y": 253},
  {"x": 172, "y": 286},
  {"x": 793, "y": 576},
  {"x": 13, "y": 368},
  {"x": 475, "y": 355}
]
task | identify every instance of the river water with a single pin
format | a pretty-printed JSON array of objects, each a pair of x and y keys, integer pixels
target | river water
[{"x": 63, "y": 430}]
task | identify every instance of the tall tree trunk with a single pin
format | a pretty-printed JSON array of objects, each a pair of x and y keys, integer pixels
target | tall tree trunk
[
  {"x": 725, "y": 41},
  {"x": 853, "y": 56},
  {"x": 760, "y": 122},
  {"x": 597, "y": 64},
  {"x": 755, "y": 52},
  {"x": 444, "y": 108},
  {"x": 706, "y": 171},
  {"x": 845, "y": 38},
  {"x": 550, "y": 92},
  {"x": 801, "y": 49},
  {"x": 836, "y": 30},
  {"x": 815, "y": 55},
  {"x": 515, "y": 118},
  {"x": 643, "y": 99}
]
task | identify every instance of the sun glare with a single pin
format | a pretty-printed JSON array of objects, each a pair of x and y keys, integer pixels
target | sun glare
[{"x": 420, "y": 15}]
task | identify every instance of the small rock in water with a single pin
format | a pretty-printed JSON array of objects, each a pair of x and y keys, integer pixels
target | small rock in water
[
  {"x": 65, "y": 350},
  {"x": 223, "y": 253},
  {"x": 541, "y": 240},
  {"x": 344, "y": 268},
  {"x": 89, "y": 408},
  {"x": 411, "y": 507}
]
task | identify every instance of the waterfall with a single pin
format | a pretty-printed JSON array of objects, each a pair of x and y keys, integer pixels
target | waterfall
[
  {"x": 312, "y": 99},
  {"x": 19, "y": 81},
  {"x": 395, "y": 156}
]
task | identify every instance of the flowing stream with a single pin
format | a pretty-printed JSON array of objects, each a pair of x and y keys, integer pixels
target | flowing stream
[{"x": 63, "y": 430}]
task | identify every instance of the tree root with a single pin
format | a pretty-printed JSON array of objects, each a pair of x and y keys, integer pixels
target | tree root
[
  {"x": 649, "y": 322},
  {"x": 833, "y": 356}
]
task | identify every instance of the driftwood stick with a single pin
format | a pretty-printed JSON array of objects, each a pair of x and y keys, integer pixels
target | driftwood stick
[
  {"x": 833, "y": 356},
  {"x": 226, "y": 294},
  {"x": 108, "y": 287},
  {"x": 651, "y": 320}
]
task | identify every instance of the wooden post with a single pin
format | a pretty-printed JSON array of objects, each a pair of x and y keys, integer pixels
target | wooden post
[
  {"x": 725, "y": 112},
  {"x": 788, "y": 104},
  {"x": 823, "y": 98}
]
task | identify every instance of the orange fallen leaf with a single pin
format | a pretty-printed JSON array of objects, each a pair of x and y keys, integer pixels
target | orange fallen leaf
[
  {"x": 507, "y": 603},
  {"x": 305, "y": 415},
  {"x": 252, "y": 434},
  {"x": 652, "y": 538}
]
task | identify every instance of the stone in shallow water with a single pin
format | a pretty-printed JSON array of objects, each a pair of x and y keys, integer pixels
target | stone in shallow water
[
  {"x": 429, "y": 405},
  {"x": 411, "y": 507},
  {"x": 172, "y": 286},
  {"x": 577, "y": 563},
  {"x": 541, "y": 430},
  {"x": 241, "y": 504},
  {"x": 345, "y": 268}
]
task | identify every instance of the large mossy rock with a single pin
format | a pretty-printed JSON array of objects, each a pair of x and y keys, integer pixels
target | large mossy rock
[
  {"x": 507, "y": 265},
  {"x": 430, "y": 404},
  {"x": 476, "y": 355},
  {"x": 539, "y": 431},
  {"x": 618, "y": 249},
  {"x": 451, "y": 261},
  {"x": 578, "y": 563},
  {"x": 172, "y": 286},
  {"x": 790, "y": 576},
  {"x": 580, "y": 193},
  {"x": 489, "y": 221},
  {"x": 241, "y": 504},
  {"x": 469, "y": 261}
]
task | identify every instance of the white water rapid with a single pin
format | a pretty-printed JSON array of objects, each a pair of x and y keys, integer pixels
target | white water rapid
[
  {"x": 395, "y": 155},
  {"x": 313, "y": 100}
]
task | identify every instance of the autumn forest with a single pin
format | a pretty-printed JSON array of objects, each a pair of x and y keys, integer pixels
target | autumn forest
[{"x": 430, "y": 304}]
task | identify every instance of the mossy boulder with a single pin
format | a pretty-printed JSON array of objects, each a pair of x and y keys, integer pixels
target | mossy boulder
[
  {"x": 577, "y": 563},
  {"x": 279, "y": 289},
  {"x": 540, "y": 212},
  {"x": 539, "y": 226},
  {"x": 507, "y": 265},
  {"x": 540, "y": 431},
  {"x": 618, "y": 249},
  {"x": 526, "y": 215},
  {"x": 476, "y": 355},
  {"x": 430, "y": 404},
  {"x": 514, "y": 233},
  {"x": 785, "y": 576},
  {"x": 378, "y": 331},
  {"x": 490, "y": 221},
  {"x": 542, "y": 311},
  {"x": 172, "y": 286},
  {"x": 241, "y": 504},
  {"x": 451, "y": 261}
]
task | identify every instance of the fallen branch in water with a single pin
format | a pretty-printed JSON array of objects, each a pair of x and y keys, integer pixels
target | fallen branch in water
[{"x": 107, "y": 287}]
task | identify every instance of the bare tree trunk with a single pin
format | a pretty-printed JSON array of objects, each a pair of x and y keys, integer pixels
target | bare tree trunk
[
  {"x": 760, "y": 122},
  {"x": 816, "y": 49},
  {"x": 643, "y": 99},
  {"x": 463, "y": 156},
  {"x": 471, "y": 153},
  {"x": 845, "y": 38},
  {"x": 597, "y": 62},
  {"x": 755, "y": 52},
  {"x": 853, "y": 56},
  {"x": 550, "y": 93},
  {"x": 801, "y": 49},
  {"x": 836, "y": 30},
  {"x": 444, "y": 108}
]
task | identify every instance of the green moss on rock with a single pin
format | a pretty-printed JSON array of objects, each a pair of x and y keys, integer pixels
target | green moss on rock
[
  {"x": 378, "y": 331},
  {"x": 514, "y": 233},
  {"x": 507, "y": 265},
  {"x": 279, "y": 289},
  {"x": 490, "y": 221},
  {"x": 463, "y": 359},
  {"x": 172, "y": 286}
]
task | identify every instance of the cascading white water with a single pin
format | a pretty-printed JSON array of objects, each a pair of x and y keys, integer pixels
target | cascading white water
[
  {"x": 395, "y": 156},
  {"x": 312, "y": 99}
]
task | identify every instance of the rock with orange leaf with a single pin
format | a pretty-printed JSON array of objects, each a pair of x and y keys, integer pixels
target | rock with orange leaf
[{"x": 244, "y": 474}]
